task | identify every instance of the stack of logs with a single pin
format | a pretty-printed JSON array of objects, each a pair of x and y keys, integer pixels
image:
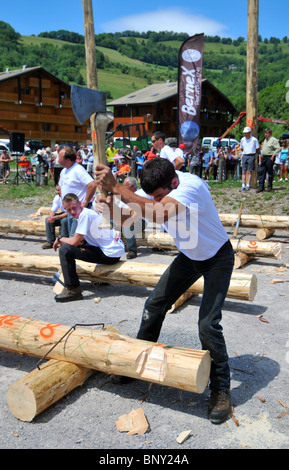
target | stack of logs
[{"x": 103, "y": 349}]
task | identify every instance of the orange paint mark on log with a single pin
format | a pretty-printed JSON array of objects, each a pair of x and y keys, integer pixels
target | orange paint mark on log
[
  {"x": 7, "y": 320},
  {"x": 50, "y": 330}
]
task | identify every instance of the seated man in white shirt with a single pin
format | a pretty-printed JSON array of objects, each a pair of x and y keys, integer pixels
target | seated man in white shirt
[
  {"x": 90, "y": 243},
  {"x": 183, "y": 203}
]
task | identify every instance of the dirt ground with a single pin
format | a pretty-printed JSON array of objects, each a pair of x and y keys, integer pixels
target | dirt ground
[{"x": 257, "y": 340}]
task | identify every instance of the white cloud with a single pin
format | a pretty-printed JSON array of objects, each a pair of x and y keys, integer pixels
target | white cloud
[{"x": 172, "y": 19}]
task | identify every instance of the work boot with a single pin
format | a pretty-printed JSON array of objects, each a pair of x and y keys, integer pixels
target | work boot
[
  {"x": 219, "y": 406},
  {"x": 269, "y": 189},
  {"x": 68, "y": 295},
  {"x": 259, "y": 190},
  {"x": 47, "y": 246},
  {"x": 131, "y": 254}
]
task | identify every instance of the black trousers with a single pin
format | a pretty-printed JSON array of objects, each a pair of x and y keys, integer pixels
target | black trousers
[
  {"x": 68, "y": 254},
  {"x": 266, "y": 166}
]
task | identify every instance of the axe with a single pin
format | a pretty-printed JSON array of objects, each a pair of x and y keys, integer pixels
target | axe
[{"x": 89, "y": 103}]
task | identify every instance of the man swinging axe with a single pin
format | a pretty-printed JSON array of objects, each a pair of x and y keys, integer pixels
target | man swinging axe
[{"x": 182, "y": 202}]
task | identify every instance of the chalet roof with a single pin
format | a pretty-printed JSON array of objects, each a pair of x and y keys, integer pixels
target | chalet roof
[
  {"x": 9, "y": 74},
  {"x": 149, "y": 95},
  {"x": 159, "y": 92}
]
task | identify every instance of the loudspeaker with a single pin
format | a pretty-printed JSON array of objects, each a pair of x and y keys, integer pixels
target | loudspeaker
[{"x": 17, "y": 141}]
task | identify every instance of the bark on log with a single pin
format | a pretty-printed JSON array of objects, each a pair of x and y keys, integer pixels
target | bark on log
[
  {"x": 242, "y": 286},
  {"x": 107, "y": 351},
  {"x": 39, "y": 389}
]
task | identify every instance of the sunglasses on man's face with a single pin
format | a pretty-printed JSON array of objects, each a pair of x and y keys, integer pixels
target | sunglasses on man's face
[{"x": 153, "y": 141}]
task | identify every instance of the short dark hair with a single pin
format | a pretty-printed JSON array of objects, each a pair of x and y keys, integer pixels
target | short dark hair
[
  {"x": 69, "y": 153},
  {"x": 157, "y": 173},
  {"x": 159, "y": 135},
  {"x": 70, "y": 197},
  {"x": 268, "y": 130}
]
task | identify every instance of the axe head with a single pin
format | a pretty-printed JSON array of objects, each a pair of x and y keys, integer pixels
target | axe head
[{"x": 86, "y": 101}]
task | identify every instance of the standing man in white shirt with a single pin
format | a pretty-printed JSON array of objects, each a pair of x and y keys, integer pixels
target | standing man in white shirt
[
  {"x": 158, "y": 141},
  {"x": 75, "y": 179},
  {"x": 183, "y": 203},
  {"x": 249, "y": 146}
]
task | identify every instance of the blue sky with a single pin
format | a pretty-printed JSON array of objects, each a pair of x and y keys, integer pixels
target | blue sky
[{"x": 223, "y": 18}]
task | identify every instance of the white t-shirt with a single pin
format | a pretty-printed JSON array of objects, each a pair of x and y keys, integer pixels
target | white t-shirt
[
  {"x": 249, "y": 146},
  {"x": 197, "y": 231},
  {"x": 57, "y": 204},
  {"x": 168, "y": 153},
  {"x": 107, "y": 240},
  {"x": 74, "y": 180}
]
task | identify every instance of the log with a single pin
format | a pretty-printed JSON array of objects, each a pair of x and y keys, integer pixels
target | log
[
  {"x": 260, "y": 249},
  {"x": 264, "y": 233},
  {"x": 107, "y": 351},
  {"x": 155, "y": 239},
  {"x": 25, "y": 227},
  {"x": 278, "y": 222},
  {"x": 44, "y": 386},
  {"x": 241, "y": 259},
  {"x": 242, "y": 286},
  {"x": 39, "y": 389}
]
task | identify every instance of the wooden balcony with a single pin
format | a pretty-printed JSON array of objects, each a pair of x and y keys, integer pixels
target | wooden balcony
[
  {"x": 56, "y": 136},
  {"x": 38, "y": 117},
  {"x": 30, "y": 99}
]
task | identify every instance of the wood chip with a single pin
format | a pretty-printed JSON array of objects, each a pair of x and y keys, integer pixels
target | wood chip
[
  {"x": 234, "y": 417},
  {"x": 133, "y": 423},
  {"x": 262, "y": 319},
  {"x": 183, "y": 436},
  {"x": 261, "y": 399}
]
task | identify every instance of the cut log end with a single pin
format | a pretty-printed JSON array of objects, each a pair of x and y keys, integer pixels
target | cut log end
[{"x": 21, "y": 402}]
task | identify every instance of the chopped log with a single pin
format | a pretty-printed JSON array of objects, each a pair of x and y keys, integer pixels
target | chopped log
[
  {"x": 242, "y": 286},
  {"x": 264, "y": 233},
  {"x": 241, "y": 259},
  {"x": 107, "y": 351},
  {"x": 278, "y": 222},
  {"x": 39, "y": 389}
]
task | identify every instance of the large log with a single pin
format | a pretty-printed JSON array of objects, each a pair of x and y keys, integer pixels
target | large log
[
  {"x": 255, "y": 248},
  {"x": 107, "y": 351},
  {"x": 155, "y": 239},
  {"x": 45, "y": 385},
  {"x": 242, "y": 286},
  {"x": 39, "y": 389},
  {"x": 278, "y": 222},
  {"x": 25, "y": 227}
]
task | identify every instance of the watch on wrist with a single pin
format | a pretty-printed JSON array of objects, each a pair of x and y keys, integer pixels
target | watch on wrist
[{"x": 58, "y": 238}]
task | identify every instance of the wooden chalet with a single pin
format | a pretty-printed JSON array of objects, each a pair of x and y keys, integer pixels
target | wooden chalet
[
  {"x": 156, "y": 105},
  {"x": 36, "y": 103}
]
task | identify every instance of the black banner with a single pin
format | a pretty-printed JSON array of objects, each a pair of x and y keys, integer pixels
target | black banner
[{"x": 190, "y": 91}]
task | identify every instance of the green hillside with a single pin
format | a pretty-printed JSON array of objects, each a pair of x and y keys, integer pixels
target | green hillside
[{"x": 130, "y": 61}]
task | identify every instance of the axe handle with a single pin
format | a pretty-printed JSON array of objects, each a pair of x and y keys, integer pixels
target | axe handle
[
  {"x": 238, "y": 221},
  {"x": 100, "y": 123}
]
